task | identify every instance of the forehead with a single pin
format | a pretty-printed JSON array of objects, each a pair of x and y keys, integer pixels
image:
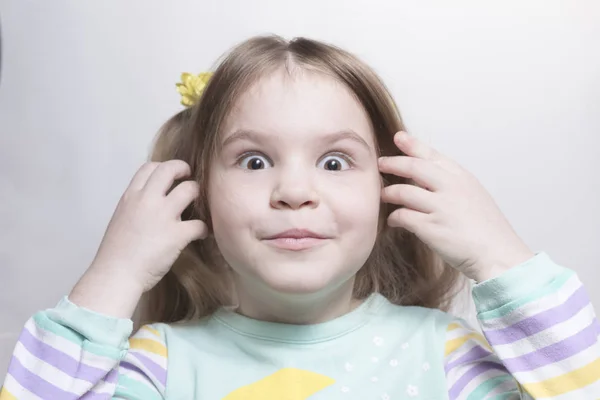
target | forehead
[{"x": 302, "y": 103}]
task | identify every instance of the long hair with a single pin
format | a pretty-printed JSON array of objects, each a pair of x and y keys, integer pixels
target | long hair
[{"x": 401, "y": 267}]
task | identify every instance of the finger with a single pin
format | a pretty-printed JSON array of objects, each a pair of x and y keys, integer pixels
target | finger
[
  {"x": 408, "y": 219},
  {"x": 415, "y": 147},
  {"x": 182, "y": 196},
  {"x": 410, "y": 196},
  {"x": 166, "y": 174},
  {"x": 192, "y": 230},
  {"x": 423, "y": 172},
  {"x": 141, "y": 176}
]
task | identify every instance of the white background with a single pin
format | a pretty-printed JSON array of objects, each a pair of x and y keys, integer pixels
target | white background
[{"x": 511, "y": 89}]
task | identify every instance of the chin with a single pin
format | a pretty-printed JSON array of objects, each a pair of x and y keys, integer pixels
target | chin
[{"x": 302, "y": 279}]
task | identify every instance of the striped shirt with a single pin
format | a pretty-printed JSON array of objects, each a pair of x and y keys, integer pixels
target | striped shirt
[{"x": 540, "y": 341}]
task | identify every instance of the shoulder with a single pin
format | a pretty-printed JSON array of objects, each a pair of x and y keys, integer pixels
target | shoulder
[
  {"x": 147, "y": 355},
  {"x": 151, "y": 338},
  {"x": 169, "y": 353},
  {"x": 460, "y": 337},
  {"x": 452, "y": 333},
  {"x": 421, "y": 327},
  {"x": 413, "y": 316},
  {"x": 166, "y": 343}
]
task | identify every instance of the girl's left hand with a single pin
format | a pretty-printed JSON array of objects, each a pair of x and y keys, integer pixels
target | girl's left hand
[{"x": 450, "y": 211}]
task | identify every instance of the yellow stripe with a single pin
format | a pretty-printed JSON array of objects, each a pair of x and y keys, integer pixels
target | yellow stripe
[
  {"x": 151, "y": 330},
  {"x": 148, "y": 345},
  {"x": 5, "y": 395},
  {"x": 452, "y": 345},
  {"x": 453, "y": 326},
  {"x": 565, "y": 383}
]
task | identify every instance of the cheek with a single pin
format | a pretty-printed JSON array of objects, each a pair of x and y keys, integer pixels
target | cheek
[
  {"x": 358, "y": 203},
  {"x": 233, "y": 201}
]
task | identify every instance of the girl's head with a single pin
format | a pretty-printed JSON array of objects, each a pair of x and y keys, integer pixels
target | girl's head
[{"x": 286, "y": 137}]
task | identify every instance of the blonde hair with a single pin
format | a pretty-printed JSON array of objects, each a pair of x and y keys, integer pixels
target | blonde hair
[{"x": 401, "y": 267}]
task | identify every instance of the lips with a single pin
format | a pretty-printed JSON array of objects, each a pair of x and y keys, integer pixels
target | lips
[
  {"x": 296, "y": 239},
  {"x": 296, "y": 234}
]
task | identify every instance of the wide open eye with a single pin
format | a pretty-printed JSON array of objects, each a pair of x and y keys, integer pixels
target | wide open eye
[
  {"x": 334, "y": 162},
  {"x": 254, "y": 161}
]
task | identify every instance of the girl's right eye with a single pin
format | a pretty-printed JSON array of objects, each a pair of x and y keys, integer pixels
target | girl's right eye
[{"x": 254, "y": 161}]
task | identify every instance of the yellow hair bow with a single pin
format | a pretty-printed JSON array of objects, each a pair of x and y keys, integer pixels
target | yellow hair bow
[{"x": 191, "y": 87}]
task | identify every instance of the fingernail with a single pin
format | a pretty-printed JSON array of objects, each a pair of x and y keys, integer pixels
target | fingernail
[{"x": 401, "y": 135}]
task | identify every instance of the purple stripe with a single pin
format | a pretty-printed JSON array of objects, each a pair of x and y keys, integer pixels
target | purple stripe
[
  {"x": 476, "y": 353},
  {"x": 555, "y": 352},
  {"x": 60, "y": 360},
  {"x": 112, "y": 376},
  {"x": 542, "y": 321},
  {"x": 159, "y": 372},
  {"x": 96, "y": 396},
  {"x": 131, "y": 367},
  {"x": 464, "y": 380},
  {"x": 37, "y": 385}
]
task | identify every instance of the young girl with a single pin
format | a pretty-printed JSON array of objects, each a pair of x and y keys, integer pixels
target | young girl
[{"x": 294, "y": 243}]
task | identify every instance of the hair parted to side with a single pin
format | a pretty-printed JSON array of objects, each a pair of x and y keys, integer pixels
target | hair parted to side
[{"x": 401, "y": 267}]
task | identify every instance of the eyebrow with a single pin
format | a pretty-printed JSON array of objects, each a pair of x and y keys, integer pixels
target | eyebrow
[{"x": 257, "y": 137}]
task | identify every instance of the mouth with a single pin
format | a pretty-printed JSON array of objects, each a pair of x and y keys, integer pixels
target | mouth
[{"x": 296, "y": 239}]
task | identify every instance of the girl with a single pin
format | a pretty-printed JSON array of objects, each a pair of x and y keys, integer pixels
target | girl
[{"x": 314, "y": 249}]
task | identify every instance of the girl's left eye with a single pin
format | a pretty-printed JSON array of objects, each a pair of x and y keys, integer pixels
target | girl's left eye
[{"x": 334, "y": 163}]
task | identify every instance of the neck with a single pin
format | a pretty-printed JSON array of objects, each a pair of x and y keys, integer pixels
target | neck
[{"x": 302, "y": 309}]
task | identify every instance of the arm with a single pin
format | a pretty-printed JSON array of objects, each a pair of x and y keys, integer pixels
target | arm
[
  {"x": 81, "y": 348},
  {"x": 69, "y": 352},
  {"x": 543, "y": 334},
  {"x": 536, "y": 316},
  {"x": 473, "y": 370}
]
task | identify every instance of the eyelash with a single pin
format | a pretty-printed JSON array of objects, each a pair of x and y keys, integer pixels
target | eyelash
[
  {"x": 343, "y": 155},
  {"x": 337, "y": 153}
]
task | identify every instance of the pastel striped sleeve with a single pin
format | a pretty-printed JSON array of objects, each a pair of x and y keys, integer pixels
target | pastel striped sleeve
[
  {"x": 143, "y": 371},
  {"x": 71, "y": 353},
  {"x": 540, "y": 322},
  {"x": 473, "y": 370}
]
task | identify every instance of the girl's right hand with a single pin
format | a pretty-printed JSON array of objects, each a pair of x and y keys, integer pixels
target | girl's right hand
[{"x": 144, "y": 237}]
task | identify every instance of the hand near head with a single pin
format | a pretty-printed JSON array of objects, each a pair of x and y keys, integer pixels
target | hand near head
[
  {"x": 450, "y": 211},
  {"x": 143, "y": 239}
]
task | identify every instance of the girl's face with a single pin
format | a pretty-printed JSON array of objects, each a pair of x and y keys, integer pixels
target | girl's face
[{"x": 295, "y": 192}]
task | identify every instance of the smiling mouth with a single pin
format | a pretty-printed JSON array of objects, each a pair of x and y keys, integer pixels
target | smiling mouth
[{"x": 296, "y": 240}]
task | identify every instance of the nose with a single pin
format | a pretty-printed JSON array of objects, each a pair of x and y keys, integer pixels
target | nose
[{"x": 293, "y": 191}]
